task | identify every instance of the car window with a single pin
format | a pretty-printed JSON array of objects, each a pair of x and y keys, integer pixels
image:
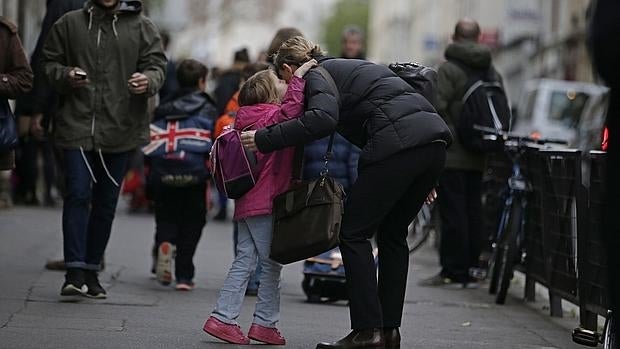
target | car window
[{"x": 566, "y": 107}]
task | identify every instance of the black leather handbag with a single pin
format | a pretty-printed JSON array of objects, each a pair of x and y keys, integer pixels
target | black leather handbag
[
  {"x": 307, "y": 217},
  {"x": 8, "y": 129}
]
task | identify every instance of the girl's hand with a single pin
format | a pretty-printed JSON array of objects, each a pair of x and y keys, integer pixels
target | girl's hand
[
  {"x": 301, "y": 71},
  {"x": 431, "y": 197}
]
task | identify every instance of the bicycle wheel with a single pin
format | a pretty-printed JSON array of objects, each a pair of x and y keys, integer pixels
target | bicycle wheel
[
  {"x": 609, "y": 339},
  {"x": 494, "y": 269},
  {"x": 497, "y": 252},
  {"x": 509, "y": 252}
]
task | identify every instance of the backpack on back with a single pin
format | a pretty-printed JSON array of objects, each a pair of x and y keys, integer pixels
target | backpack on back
[
  {"x": 423, "y": 79},
  {"x": 234, "y": 168},
  {"x": 484, "y": 104}
]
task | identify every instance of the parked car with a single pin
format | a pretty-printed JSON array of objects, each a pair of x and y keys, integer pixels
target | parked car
[{"x": 559, "y": 109}]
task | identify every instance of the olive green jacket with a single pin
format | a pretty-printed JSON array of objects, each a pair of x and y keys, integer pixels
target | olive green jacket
[
  {"x": 451, "y": 82},
  {"x": 109, "y": 46}
]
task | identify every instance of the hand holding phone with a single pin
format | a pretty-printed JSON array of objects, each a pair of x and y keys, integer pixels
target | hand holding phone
[
  {"x": 81, "y": 75},
  {"x": 78, "y": 78}
]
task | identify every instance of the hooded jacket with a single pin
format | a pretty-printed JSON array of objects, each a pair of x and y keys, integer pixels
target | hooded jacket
[
  {"x": 181, "y": 161},
  {"x": 15, "y": 73},
  {"x": 276, "y": 167},
  {"x": 451, "y": 82},
  {"x": 378, "y": 112},
  {"x": 42, "y": 99},
  {"x": 109, "y": 46}
]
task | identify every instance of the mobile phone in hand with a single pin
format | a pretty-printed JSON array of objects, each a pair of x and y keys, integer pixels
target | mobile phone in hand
[{"x": 80, "y": 75}]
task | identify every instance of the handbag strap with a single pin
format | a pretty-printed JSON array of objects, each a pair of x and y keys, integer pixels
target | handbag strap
[{"x": 298, "y": 159}]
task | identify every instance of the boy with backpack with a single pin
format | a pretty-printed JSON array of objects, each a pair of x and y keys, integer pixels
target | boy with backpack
[
  {"x": 470, "y": 92},
  {"x": 177, "y": 155}
]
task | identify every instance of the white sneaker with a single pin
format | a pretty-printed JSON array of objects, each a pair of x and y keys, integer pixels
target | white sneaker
[{"x": 163, "y": 271}]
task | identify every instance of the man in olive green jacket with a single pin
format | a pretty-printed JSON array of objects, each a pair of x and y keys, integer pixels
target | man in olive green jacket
[
  {"x": 460, "y": 185},
  {"x": 105, "y": 61}
]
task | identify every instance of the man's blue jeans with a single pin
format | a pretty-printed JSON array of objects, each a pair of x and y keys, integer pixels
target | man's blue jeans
[{"x": 92, "y": 185}]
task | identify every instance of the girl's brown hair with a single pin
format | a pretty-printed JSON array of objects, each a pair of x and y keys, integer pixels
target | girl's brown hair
[
  {"x": 259, "y": 88},
  {"x": 296, "y": 51}
]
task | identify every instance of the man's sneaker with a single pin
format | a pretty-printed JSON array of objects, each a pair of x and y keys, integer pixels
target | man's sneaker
[
  {"x": 266, "y": 335},
  {"x": 185, "y": 285},
  {"x": 74, "y": 283},
  {"x": 446, "y": 282},
  {"x": 94, "y": 287},
  {"x": 163, "y": 271},
  {"x": 227, "y": 332}
]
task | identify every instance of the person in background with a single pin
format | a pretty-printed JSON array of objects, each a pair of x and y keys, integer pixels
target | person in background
[
  {"x": 15, "y": 80},
  {"x": 42, "y": 102},
  {"x": 605, "y": 44},
  {"x": 104, "y": 89},
  {"x": 460, "y": 185},
  {"x": 178, "y": 173},
  {"x": 352, "y": 44},
  {"x": 38, "y": 107},
  {"x": 281, "y": 36},
  {"x": 227, "y": 85},
  {"x": 264, "y": 100},
  {"x": 171, "y": 84}
]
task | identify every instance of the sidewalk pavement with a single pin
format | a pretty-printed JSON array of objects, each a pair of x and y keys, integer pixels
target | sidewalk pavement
[{"x": 139, "y": 313}]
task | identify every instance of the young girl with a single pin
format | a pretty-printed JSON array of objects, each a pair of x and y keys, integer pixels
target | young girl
[{"x": 259, "y": 99}]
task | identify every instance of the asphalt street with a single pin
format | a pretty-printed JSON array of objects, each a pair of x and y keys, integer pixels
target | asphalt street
[{"x": 139, "y": 313}]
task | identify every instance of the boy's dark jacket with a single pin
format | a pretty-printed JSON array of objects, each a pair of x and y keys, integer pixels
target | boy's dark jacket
[{"x": 180, "y": 159}]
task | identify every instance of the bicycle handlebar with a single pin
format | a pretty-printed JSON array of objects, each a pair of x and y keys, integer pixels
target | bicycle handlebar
[{"x": 506, "y": 136}]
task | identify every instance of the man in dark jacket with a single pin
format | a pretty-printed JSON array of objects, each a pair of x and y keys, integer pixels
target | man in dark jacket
[
  {"x": 15, "y": 80},
  {"x": 605, "y": 44},
  {"x": 38, "y": 106},
  {"x": 460, "y": 184},
  {"x": 403, "y": 143},
  {"x": 104, "y": 61}
]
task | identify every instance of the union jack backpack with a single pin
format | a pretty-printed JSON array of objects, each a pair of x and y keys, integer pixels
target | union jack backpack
[{"x": 235, "y": 169}]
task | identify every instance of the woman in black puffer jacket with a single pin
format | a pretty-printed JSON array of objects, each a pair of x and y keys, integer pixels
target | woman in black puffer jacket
[{"x": 403, "y": 142}]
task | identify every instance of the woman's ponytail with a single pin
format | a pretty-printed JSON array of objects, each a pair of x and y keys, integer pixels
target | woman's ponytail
[{"x": 296, "y": 51}]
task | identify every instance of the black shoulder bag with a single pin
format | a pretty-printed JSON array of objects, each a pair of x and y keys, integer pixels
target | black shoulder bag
[{"x": 307, "y": 217}]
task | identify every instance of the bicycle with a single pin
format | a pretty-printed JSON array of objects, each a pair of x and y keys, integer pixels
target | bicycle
[{"x": 508, "y": 248}]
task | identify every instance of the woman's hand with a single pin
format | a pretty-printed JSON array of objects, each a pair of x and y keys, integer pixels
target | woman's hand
[
  {"x": 431, "y": 197},
  {"x": 301, "y": 71},
  {"x": 248, "y": 140}
]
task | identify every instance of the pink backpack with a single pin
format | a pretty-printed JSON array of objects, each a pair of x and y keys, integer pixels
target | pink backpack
[{"x": 235, "y": 169}]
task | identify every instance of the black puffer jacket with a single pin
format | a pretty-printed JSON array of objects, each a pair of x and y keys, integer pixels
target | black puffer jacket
[{"x": 379, "y": 112}]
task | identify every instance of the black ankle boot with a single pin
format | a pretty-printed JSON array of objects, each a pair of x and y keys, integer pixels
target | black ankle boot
[
  {"x": 368, "y": 338},
  {"x": 391, "y": 336}
]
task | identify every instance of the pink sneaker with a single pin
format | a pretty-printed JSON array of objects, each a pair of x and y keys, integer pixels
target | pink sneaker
[
  {"x": 266, "y": 335},
  {"x": 226, "y": 332}
]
